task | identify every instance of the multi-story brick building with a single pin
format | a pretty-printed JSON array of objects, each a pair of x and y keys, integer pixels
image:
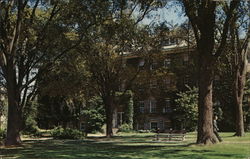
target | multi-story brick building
[{"x": 161, "y": 76}]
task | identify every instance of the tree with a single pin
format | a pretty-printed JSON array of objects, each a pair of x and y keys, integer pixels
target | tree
[
  {"x": 106, "y": 47},
  {"x": 31, "y": 33},
  {"x": 186, "y": 110},
  {"x": 240, "y": 49},
  {"x": 202, "y": 15},
  {"x": 94, "y": 115},
  {"x": 247, "y": 108}
]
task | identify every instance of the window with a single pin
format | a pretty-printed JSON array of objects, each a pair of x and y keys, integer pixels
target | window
[
  {"x": 168, "y": 82},
  {"x": 161, "y": 125},
  {"x": 172, "y": 40},
  {"x": 152, "y": 106},
  {"x": 153, "y": 125},
  {"x": 167, "y": 62},
  {"x": 141, "y": 62},
  {"x": 153, "y": 66},
  {"x": 122, "y": 86},
  {"x": 119, "y": 118},
  {"x": 185, "y": 59},
  {"x": 167, "y": 125},
  {"x": 140, "y": 86},
  {"x": 167, "y": 107},
  {"x": 176, "y": 41},
  {"x": 166, "y": 42},
  {"x": 141, "y": 106},
  {"x": 82, "y": 126},
  {"x": 124, "y": 63},
  {"x": 153, "y": 83},
  {"x": 186, "y": 80}
]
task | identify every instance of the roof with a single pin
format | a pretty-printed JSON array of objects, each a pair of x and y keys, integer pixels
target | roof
[{"x": 172, "y": 49}]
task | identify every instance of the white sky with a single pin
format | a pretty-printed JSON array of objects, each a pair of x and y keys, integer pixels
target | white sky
[{"x": 172, "y": 15}]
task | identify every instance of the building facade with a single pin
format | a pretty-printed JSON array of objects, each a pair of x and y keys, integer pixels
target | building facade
[{"x": 160, "y": 77}]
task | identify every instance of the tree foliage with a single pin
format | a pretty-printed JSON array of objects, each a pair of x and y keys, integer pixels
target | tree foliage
[
  {"x": 32, "y": 33},
  {"x": 93, "y": 115},
  {"x": 186, "y": 110}
]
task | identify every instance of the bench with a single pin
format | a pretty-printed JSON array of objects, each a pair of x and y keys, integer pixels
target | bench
[{"x": 171, "y": 136}]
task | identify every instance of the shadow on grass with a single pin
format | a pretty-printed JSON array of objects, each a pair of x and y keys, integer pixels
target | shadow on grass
[{"x": 121, "y": 149}]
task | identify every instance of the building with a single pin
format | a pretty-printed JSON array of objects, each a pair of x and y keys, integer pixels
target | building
[{"x": 161, "y": 76}]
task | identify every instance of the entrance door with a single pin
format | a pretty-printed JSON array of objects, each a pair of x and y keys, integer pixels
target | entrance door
[{"x": 153, "y": 125}]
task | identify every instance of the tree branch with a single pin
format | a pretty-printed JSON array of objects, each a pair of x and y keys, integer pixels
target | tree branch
[{"x": 233, "y": 6}]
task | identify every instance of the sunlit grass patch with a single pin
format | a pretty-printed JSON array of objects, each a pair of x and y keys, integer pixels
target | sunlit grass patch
[{"x": 130, "y": 145}]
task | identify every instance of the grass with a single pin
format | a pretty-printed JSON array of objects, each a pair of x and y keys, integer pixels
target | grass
[{"x": 128, "y": 146}]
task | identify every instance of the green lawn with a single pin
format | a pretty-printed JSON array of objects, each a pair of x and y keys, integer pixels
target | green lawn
[{"x": 128, "y": 146}]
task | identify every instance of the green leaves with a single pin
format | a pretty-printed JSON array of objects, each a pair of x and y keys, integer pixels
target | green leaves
[{"x": 187, "y": 108}]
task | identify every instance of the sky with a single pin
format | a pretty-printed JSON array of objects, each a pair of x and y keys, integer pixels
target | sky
[{"x": 173, "y": 14}]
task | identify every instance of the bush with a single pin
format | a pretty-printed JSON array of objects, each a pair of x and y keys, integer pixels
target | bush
[
  {"x": 93, "y": 115},
  {"x": 60, "y": 133},
  {"x": 2, "y": 134},
  {"x": 125, "y": 128},
  {"x": 29, "y": 116},
  {"x": 144, "y": 131},
  {"x": 31, "y": 128}
]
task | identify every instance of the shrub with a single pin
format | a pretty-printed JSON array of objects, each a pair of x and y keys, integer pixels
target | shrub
[
  {"x": 144, "y": 131},
  {"x": 29, "y": 116},
  {"x": 60, "y": 133},
  {"x": 125, "y": 128},
  {"x": 93, "y": 115},
  {"x": 31, "y": 128}
]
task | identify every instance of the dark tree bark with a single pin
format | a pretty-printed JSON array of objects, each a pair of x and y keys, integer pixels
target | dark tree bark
[
  {"x": 109, "y": 107},
  {"x": 240, "y": 80},
  {"x": 205, "y": 105},
  {"x": 202, "y": 15},
  {"x": 240, "y": 72},
  {"x": 14, "y": 110},
  {"x": 239, "y": 50}
]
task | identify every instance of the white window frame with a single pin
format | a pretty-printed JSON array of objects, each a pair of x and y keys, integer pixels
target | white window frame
[
  {"x": 167, "y": 106},
  {"x": 152, "y": 106},
  {"x": 142, "y": 106}
]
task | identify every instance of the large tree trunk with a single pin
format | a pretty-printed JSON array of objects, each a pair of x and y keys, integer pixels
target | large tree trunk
[
  {"x": 205, "y": 105},
  {"x": 238, "y": 92},
  {"x": 109, "y": 107},
  {"x": 14, "y": 110},
  {"x": 238, "y": 98}
]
